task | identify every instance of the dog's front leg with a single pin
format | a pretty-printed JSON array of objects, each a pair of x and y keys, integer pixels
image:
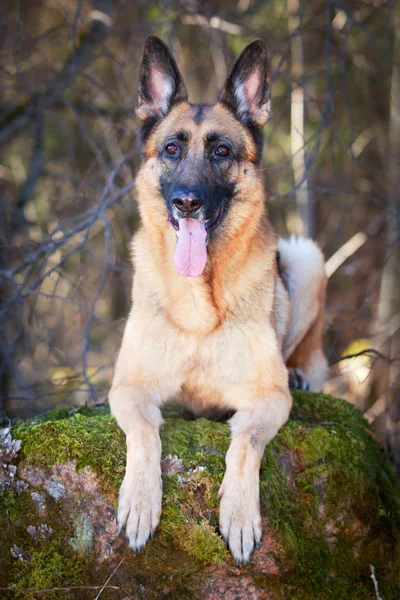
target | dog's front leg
[
  {"x": 252, "y": 428},
  {"x": 139, "y": 506}
]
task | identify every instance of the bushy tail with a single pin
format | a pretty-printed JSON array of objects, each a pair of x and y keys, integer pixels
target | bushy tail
[{"x": 303, "y": 272}]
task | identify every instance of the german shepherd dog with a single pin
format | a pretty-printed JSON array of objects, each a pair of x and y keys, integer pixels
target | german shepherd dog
[{"x": 223, "y": 312}]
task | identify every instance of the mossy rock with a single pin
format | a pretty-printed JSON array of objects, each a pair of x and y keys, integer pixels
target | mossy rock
[{"x": 331, "y": 508}]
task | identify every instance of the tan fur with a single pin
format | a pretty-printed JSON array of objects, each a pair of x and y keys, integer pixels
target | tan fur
[{"x": 216, "y": 342}]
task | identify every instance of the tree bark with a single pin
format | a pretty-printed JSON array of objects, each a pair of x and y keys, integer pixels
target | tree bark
[
  {"x": 387, "y": 379},
  {"x": 304, "y": 199}
]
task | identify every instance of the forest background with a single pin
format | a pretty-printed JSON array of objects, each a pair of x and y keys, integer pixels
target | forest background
[{"x": 69, "y": 155}]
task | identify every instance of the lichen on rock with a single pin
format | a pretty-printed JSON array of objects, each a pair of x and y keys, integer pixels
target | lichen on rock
[
  {"x": 330, "y": 504},
  {"x": 9, "y": 449}
]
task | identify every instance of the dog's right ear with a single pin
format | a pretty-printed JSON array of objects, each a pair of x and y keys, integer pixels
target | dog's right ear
[{"x": 160, "y": 83}]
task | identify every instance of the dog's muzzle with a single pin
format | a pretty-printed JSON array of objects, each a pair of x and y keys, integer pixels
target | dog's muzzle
[{"x": 192, "y": 232}]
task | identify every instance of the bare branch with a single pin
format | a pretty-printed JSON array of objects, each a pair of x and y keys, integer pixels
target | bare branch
[
  {"x": 378, "y": 597},
  {"x": 215, "y": 23},
  {"x": 57, "y": 589},
  {"x": 98, "y": 25},
  {"x": 351, "y": 246},
  {"x": 366, "y": 352}
]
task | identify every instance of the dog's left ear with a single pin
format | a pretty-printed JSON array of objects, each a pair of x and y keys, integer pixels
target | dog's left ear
[
  {"x": 247, "y": 90},
  {"x": 160, "y": 83}
]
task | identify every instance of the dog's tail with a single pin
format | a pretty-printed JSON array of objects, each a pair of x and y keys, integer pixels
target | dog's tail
[{"x": 302, "y": 268}]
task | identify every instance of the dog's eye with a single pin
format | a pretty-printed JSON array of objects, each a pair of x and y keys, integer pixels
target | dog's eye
[
  {"x": 222, "y": 150},
  {"x": 171, "y": 149}
]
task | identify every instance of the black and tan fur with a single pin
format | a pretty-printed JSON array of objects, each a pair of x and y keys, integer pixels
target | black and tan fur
[{"x": 221, "y": 341}]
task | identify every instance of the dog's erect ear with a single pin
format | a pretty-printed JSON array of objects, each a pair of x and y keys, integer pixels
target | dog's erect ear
[
  {"x": 160, "y": 83},
  {"x": 247, "y": 90}
]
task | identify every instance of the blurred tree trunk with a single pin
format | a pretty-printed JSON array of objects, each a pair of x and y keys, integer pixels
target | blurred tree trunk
[
  {"x": 304, "y": 199},
  {"x": 387, "y": 376}
]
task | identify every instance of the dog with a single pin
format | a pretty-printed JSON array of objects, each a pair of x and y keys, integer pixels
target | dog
[{"x": 223, "y": 313}]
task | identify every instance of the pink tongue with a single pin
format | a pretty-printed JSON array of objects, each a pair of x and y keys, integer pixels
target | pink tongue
[{"x": 191, "y": 251}]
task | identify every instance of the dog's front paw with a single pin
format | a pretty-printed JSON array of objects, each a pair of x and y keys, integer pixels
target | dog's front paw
[
  {"x": 239, "y": 518},
  {"x": 139, "y": 508}
]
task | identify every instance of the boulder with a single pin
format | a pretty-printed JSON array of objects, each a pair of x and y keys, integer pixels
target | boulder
[{"x": 330, "y": 505}]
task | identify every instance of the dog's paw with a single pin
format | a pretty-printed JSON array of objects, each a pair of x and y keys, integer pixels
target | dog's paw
[
  {"x": 240, "y": 519},
  {"x": 139, "y": 508},
  {"x": 297, "y": 379}
]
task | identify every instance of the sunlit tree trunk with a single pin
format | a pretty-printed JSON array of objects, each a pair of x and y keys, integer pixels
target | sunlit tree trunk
[{"x": 304, "y": 200}]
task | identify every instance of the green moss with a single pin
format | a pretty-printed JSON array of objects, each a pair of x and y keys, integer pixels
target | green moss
[
  {"x": 50, "y": 564},
  {"x": 67, "y": 412},
  {"x": 95, "y": 441},
  {"x": 204, "y": 543},
  {"x": 190, "y": 518},
  {"x": 12, "y": 504},
  {"x": 330, "y": 496},
  {"x": 324, "y": 409},
  {"x": 337, "y": 478},
  {"x": 199, "y": 442},
  {"x": 190, "y": 509},
  {"x": 50, "y": 567}
]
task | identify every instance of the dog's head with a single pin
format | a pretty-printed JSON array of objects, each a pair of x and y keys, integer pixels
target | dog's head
[{"x": 200, "y": 162}]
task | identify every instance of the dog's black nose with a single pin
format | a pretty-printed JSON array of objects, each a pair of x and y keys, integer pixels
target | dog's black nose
[{"x": 186, "y": 204}]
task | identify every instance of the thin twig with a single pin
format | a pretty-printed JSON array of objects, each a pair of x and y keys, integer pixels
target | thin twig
[
  {"x": 58, "y": 589},
  {"x": 367, "y": 351},
  {"x": 378, "y": 597},
  {"x": 105, "y": 585},
  {"x": 352, "y": 245}
]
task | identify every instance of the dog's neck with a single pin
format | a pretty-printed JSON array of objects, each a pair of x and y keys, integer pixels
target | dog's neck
[{"x": 231, "y": 278}]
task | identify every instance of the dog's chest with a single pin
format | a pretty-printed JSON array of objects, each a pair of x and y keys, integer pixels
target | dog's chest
[
  {"x": 202, "y": 369},
  {"x": 232, "y": 361},
  {"x": 229, "y": 357}
]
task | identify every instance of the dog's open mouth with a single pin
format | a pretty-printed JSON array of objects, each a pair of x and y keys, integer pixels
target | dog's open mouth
[
  {"x": 191, "y": 247},
  {"x": 210, "y": 225}
]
